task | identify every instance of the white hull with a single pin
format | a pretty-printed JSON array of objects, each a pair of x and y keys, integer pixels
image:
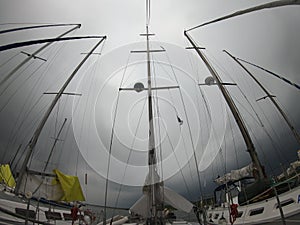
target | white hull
[
  {"x": 264, "y": 212},
  {"x": 10, "y": 204}
]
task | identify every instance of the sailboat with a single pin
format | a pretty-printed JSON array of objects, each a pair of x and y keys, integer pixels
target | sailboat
[
  {"x": 150, "y": 208},
  {"x": 247, "y": 195},
  {"x": 38, "y": 197}
]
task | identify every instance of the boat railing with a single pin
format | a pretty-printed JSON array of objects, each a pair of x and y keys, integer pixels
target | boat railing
[{"x": 282, "y": 186}]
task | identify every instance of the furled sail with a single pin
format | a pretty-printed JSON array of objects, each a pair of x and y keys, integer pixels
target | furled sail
[
  {"x": 35, "y": 185},
  {"x": 6, "y": 176},
  {"x": 235, "y": 175},
  {"x": 60, "y": 188}
]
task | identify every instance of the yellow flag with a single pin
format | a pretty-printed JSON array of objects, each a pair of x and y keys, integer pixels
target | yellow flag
[
  {"x": 70, "y": 186},
  {"x": 6, "y": 176}
]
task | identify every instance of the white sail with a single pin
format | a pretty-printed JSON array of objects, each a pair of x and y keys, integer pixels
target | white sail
[
  {"x": 170, "y": 197},
  {"x": 177, "y": 201}
]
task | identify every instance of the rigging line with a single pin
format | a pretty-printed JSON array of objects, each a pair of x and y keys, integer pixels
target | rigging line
[
  {"x": 267, "y": 162},
  {"x": 131, "y": 72},
  {"x": 3, "y": 90},
  {"x": 18, "y": 89},
  {"x": 276, "y": 134},
  {"x": 129, "y": 155},
  {"x": 67, "y": 131},
  {"x": 206, "y": 114},
  {"x": 33, "y": 123},
  {"x": 93, "y": 78},
  {"x": 249, "y": 10},
  {"x": 270, "y": 72},
  {"x": 206, "y": 104},
  {"x": 56, "y": 118},
  {"x": 283, "y": 114},
  {"x": 23, "y": 108},
  {"x": 190, "y": 132},
  {"x": 252, "y": 107},
  {"x": 273, "y": 130},
  {"x": 111, "y": 143},
  {"x": 42, "y": 123},
  {"x": 183, "y": 140},
  {"x": 15, "y": 155},
  {"x": 286, "y": 111},
  {"x": 173, "y": 105},
  {"x": 234, "y": 143},
  {"x": 225, "y": 154},
  {"x": 259, "y": 122},
  {"x": 109, "y": 156},
  {"x": 9, "y": 59},
  {"x": 275, "y": 146},
  {"x": 50, "y": 155},
  {"x": 218, "y": 65},
  {"x": 15, "y": 78},
  {"x": 133, "y": 141},
  {"x": 11, "y": 73},
  {"x": 177, "y": 161}
]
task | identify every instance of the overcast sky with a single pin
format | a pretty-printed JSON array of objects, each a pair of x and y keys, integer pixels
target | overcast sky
[{"x": 269, "y": 38}]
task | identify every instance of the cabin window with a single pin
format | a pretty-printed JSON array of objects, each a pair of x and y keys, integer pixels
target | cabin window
[
  {"x": 216, "y": 216},
  {"x": 285, "y": 203},
  {"x": 254, "y": 212},
  {"x": 25, "y": 213},
  {"x": 67, "y": 216},
  {"x": 53, "y": 215},
  {"x": 240, "y": 214}
]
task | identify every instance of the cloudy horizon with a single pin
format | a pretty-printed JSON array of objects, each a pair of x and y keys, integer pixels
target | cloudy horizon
[{"x": 268, "y": 38}]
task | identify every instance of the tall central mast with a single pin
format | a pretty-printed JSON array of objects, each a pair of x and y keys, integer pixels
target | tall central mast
[
  {"x": 152, "y": 156},
  {"x": 154, "y": 186}
]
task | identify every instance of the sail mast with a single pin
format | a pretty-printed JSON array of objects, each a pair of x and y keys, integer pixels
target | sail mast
[
  {"x": 272, "y": 73},
  {"x": 250, "y": 146},
  {"x": 274, "y": 4},
  {"x": 36, "y": 27},
  {"x": 34, "y": 139},
  {"x": 271, "y": 97},
  {"x": 33, "y": 55},
  {"x": 154, "y": 187}
]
